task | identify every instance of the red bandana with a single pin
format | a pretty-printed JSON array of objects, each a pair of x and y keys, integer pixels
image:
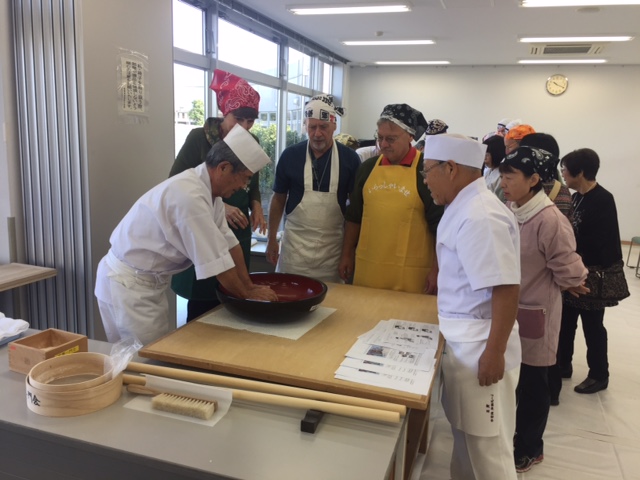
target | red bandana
[{"x": 233, "y": 92}]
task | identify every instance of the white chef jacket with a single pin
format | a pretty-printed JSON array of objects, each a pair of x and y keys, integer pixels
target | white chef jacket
[
  {"x": 478, "y": 247},
  {"x": 175, "y": 224},
  {"x": 172, "y": 226}
]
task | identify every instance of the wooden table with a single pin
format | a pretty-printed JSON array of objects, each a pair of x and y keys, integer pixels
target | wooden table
[
  {"x": 312, "y": 360},
  {"x": 15, "y": 275}
]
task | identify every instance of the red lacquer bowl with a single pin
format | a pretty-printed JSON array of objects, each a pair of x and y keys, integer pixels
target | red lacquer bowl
[{"x": 297, "y": 295}]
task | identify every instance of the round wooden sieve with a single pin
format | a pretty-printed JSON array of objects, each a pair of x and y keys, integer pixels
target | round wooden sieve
[
  {"x": 67, "y": 373},
  {"x": 73, "y": 403}
]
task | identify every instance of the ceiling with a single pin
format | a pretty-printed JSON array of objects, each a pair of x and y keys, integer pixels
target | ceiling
[{"x": 466, "y": 32}]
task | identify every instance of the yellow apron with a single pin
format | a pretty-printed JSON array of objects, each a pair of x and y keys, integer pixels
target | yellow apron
[{"x": 395, "y": 249}]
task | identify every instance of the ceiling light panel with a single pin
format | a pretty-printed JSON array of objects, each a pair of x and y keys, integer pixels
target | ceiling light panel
[
  {"x": 349, "y": 9},
  {"x": 415, "y": 62},
  {"x": 386, "y": 42},
  {"x": 558, "y": 61},
  {"x": 576, "y": 3},
  {"x": 574, "y": 39}
]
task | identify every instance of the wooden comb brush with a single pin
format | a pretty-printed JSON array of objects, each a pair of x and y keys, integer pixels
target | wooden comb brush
[{"x": 175, "y": 403}]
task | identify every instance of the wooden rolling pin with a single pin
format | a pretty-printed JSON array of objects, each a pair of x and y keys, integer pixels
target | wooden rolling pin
[
  {"x": 353, "y": 411},
  {"x": 241, "y": 383}
]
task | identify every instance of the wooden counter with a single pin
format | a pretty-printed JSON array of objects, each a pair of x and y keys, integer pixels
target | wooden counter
[
  {"x": 15, "y": 275},
  {"x": 310, "y": 361}
]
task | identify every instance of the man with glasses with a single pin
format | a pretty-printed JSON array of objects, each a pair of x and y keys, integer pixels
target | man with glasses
[
  {"x": 391, "y": 220},
  {"x": 179, "y": 223},
  {"x": 312, "y": 185},
  {"x": 478, "y": 251}
]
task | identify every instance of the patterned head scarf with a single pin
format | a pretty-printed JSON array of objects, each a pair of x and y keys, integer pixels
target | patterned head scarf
[
  {"x": 436, "y": 127},
  {"x": 233, "y": 92},
  {"x": 348, "y": 140},
  {"x": 531, "y": 160},
  {"x": 519, "y": 131},
  {"x": 321, "y": 107},
  {"x": 407, "y": 118}
]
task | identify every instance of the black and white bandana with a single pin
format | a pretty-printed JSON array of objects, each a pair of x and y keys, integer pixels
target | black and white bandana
[
  {"x": 407, "y": 118},
  {"x": 531, "y": 160},
  {"x": 436, "y": 127},
  {"x": 322, "y": 107}
]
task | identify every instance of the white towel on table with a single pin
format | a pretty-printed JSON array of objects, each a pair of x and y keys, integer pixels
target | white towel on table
[{"x": 10, "y": 327}]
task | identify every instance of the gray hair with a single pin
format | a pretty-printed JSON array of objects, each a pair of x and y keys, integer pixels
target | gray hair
[{"x": 220, "y": 152}]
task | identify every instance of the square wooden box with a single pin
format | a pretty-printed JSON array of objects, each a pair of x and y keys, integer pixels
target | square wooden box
[{"x": 31, "y": 350}]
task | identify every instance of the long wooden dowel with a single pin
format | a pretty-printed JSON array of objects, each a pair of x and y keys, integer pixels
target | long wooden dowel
[
  {"x": 353, "y": 411},
  {"x": 241, "y": 383}
]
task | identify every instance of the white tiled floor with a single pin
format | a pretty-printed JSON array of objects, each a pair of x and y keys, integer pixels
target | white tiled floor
[{"x": 588, "y": 437}]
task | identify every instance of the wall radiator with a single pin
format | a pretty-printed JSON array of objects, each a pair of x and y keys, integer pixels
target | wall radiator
[{"x": 53, "y": 163}]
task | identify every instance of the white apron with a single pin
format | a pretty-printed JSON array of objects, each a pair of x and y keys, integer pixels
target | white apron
[
  {"x": 480, "y": 411},
  {"x": 312, "y": 240},
  {"x": 131, "y": 303}
]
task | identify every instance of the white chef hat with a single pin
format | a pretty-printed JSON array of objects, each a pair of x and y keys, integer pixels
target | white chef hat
[
  {"x": 453, "y": 146},
  {"x": 504, "y": 122},
  {"x": 246, "y": 148},
  {"x": 513, "y": 123}
]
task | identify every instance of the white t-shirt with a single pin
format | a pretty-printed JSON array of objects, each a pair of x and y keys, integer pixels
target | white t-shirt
[
  {"x": 367, "y": 152},
  {"x": 175, "y": 224},
  {"x": 478, "y": 247}
]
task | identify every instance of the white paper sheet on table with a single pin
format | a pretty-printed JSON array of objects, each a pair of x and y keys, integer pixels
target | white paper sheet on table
[
  {"x": 396, "y": 370},
  {"x": 292, "y": 330},
  {"x": 418, "y": 384},
  {"x": 393, "y": 356},
  {"x": 413, "y": 336},
  {"x": 223, "y": 396}
]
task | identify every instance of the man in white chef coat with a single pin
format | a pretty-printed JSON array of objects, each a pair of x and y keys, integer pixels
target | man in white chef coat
[
  {"x": 178, "y": 223},
  {"x": 312, "y": 185},
  {"x": 478, "y": 249}
]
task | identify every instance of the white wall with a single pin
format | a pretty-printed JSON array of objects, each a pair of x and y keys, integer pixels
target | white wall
[
  {"x": 599, "y": 110},
  {"x": 124, "y": 160}
]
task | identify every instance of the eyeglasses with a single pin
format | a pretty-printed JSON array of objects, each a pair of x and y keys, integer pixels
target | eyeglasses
[
  {"x": 390, "y": 140},
  {"x": 245, "y": 179},
  {"x": 426, "y": 171}
]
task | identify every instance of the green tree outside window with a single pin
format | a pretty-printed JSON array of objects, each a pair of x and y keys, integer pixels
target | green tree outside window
[{"x": 196, "y": 114}]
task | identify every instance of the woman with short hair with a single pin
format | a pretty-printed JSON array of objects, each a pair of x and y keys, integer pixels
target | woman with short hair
[{"x": 595, "y": 223}]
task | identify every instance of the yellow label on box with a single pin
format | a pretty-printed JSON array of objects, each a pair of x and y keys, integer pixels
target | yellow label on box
[{"x": 71, "y": 350}]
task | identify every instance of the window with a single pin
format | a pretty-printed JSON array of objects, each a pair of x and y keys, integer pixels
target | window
[
  {"x": 189, "y": 101},
  {"x": 326, "y": 69},
  {"x": 299, "y": 68},
  {"x": 259, "y": 58},
  {"x": 247, "y": 50},
  {"x": 188, "y": 27},
  {"x": 267, "y": 133},
  {"x": 295, "y": 129}
]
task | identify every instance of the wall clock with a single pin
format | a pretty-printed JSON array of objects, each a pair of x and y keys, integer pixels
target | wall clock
[{"x": 557, "y": 84}]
